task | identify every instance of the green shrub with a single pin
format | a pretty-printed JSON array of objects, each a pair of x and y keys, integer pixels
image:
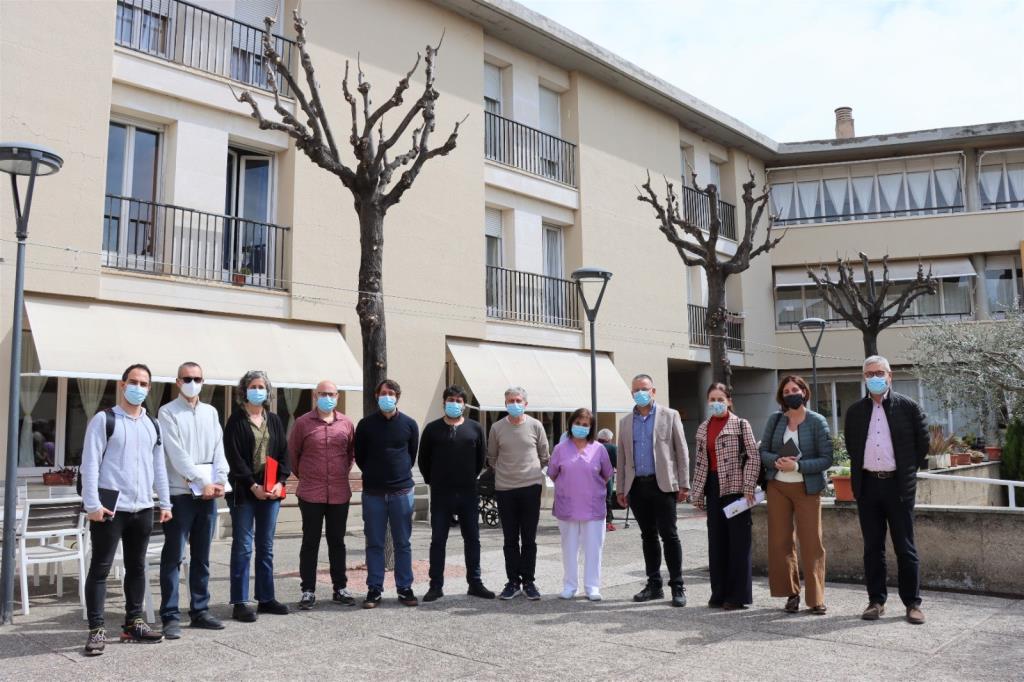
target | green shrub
[
  {"x": 840, "y": 456},
  {"x": 1013, "y": 456}
]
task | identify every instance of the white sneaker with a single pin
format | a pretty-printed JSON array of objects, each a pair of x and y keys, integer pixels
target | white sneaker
[
  {"x": 594, "y": 595},
  {"x": 567, "y": 593}
]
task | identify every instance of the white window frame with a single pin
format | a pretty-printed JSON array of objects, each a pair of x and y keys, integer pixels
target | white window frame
[
  {"x": 552, "y": 228},
  {"x": 239, "y": 155},
  {"x": 131, "y": 126},
  {"x": 501, "y": 84}
]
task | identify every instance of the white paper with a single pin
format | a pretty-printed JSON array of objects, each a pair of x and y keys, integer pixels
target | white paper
[
  {"x": 211, "y": 475},
  {"x": 741, "y": 505}
]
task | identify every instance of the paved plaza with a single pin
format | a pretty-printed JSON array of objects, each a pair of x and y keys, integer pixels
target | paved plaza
[{"x": 967, "y": 637}]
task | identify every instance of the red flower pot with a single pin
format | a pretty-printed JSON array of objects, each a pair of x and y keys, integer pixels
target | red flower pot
[
  {"x": 843, "y": 487},
  {"x": 994, "y": 452}
]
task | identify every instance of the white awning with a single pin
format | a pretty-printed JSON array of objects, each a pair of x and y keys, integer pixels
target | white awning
[
  {"x": 98, "y": 340},
  {"x": 899, "y": 271},
  {"x": 556, "y": 380}
]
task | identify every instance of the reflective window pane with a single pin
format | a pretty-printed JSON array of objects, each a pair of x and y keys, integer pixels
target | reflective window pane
[{"x": 38, "y": 425}]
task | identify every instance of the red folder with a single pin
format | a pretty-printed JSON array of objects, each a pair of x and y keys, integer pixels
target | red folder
[{"x": 270, "y": 477}]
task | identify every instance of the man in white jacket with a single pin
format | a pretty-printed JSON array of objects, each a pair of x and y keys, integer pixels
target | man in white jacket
[{"x": 197, "y": 474}]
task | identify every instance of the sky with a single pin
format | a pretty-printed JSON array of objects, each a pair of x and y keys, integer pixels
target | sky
[{"x": 783, "y": 66}]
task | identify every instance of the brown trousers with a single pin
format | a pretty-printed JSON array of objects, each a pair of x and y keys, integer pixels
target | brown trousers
[{"x": 788, "y": 502}]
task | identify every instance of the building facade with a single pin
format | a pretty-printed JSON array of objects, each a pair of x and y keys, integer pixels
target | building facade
[{"x": 177, "y": 230}]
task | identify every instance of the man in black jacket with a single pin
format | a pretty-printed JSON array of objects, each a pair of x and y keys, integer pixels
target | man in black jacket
[
  {"x": 887, "y": 439},
  {"x": 452, "y": 453}
]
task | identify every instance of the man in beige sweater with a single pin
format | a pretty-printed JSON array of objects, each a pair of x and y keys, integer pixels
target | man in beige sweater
[{"x": 517, "y": 450}]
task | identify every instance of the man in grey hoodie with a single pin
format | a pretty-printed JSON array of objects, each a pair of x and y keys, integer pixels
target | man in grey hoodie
[{"x": 128, "y": 465}]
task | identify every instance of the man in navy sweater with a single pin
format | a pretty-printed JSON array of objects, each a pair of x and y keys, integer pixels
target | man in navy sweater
[{"x": 385, "y": 450}]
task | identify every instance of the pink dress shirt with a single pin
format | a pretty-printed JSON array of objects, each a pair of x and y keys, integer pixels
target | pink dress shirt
[
  {"x": 580, "y": 479},
  {"x": 878, "y": 452}
]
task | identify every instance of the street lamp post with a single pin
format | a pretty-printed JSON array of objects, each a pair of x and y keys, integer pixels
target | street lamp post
[
  {"x": 596, "y": 280},
  {"x": 31, "y": 160},
  {"x": 808, "y": 326}
]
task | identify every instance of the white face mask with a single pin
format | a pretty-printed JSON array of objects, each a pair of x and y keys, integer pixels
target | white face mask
[{"x": 191, "y": 390}]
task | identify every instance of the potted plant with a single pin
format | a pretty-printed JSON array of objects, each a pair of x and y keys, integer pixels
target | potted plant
[
  {"x": 842, "y": 484},
  {"x": 238, "y": 277},
  {"x": 994, "y": 452},
  {"x": 62, "y": 476},
  {"x": 939, "y": 446}
]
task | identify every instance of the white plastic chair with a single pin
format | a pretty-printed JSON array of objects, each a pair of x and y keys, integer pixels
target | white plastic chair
[{"x": 59, "y": 527}]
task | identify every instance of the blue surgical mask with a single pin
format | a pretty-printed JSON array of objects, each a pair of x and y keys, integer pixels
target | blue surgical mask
[
  {"x": 135, "y": 394},
  {"x": 453, "y": 410},
  {"x": 515, "y": 409},
  {"x": 256, "y": 396},
  {"x": 717, "y": 409},
  {"x": 878, "y": 385},
  {"x": 387, "y": 403},
  {"x": 580, "y": 431},
  {"x": 326, "y": 403},
  {"x": 642, "y": 398}
]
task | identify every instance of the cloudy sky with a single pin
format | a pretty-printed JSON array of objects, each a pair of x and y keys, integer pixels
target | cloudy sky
[{"x": 782, "y": 66}]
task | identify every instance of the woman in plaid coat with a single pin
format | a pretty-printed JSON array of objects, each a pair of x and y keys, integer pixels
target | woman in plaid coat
[{"x": 726, "y": 470}]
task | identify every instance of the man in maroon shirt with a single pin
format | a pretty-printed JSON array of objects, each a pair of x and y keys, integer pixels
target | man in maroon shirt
[{"x": 321, "y": 448}]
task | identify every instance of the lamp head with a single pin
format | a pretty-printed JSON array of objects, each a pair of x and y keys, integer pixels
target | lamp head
[
  {"x": 16, "y": 158},
  {"x": 594, "y": 279},
  {"x": 812, "y": 329}
]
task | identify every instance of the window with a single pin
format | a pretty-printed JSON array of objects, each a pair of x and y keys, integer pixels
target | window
[
  {"x": 555, "y": 293},
  {"x": 550, "y": 114},
  {"x": 715, "y": 177},
  {"x": 492, "y": 89},
  {"x": 144, "y": 25},
  {"x": 552, "y": 251},
  {"x": 789, "y": 306},
  {"x": 550, "y": 150},
  {"x": 492, "y": 230},
  {"x": 686, "y": 165},
  {"x": 1001, "y": 182},
  {"x": 250, "y": 245},
  {"x": 497, "y": 284},
  {"x": 1003, "y": 283},
  {"x": 133, "y": 171}
]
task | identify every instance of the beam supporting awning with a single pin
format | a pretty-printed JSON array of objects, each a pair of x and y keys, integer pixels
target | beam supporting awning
[
  {"x": 555, "y": 379},
  {"x": 98, "y": 340},
  {"x": 899, "y": 271}
]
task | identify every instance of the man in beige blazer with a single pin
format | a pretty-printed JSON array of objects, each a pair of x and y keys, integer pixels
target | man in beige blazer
[{"x": 653, "y": 475}]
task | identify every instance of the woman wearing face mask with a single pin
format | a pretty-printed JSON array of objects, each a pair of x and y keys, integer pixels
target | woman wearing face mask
[
  {"x": 726, "y": 470},
  {"x": 580, "y": 468},
  {"x": 795, "y": 482},
  {"x": 254, "y": 434}
]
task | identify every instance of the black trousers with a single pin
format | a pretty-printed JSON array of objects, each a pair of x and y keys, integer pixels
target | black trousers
[
  {"x": 132, "y": 529},
  {"x": 729, "y": 554},
  {"x": 443, "y": 505},
  {"x": 314, "y": 514},
  {"x": 519, "y": 513},
  {"x": 655, "y": 513},
  {"x": 879, "y": 506}
]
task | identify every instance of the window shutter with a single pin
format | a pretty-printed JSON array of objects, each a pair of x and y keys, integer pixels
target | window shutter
[
  {"x": 550, "y": 118},
  {"x": 492, "y": 222}
]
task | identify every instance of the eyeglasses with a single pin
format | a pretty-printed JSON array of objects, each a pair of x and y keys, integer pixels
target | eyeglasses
[
  {"x": 189, "y": 380},
  {"x": 880, "y": 373}
]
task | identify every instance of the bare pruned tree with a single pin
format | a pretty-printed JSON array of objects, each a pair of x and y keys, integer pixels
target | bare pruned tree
[
  {"x": 697, "y": 245},
  {"x": 869, "y": 307},
  {"x": 374, "y": 179}
]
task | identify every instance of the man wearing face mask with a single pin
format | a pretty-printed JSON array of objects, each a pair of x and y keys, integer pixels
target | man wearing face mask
[
  {"x": 385, "y": 450},
  {"x": 887, "y": 438},
  {"x": 197, "y": 471},
  {"x": 128, "y": 465},
  {"x": 321, "y": 448},
  {"x": 652, "y": 476},
  {"x": 451, "y": 456}
]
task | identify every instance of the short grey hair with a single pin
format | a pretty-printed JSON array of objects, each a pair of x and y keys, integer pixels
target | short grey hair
[
  {"x": 641, "y": 377},
  {"x": 876, "y": 360},
  {"x": 605, "y": 434},
  {"x": 248, "y": 378},
  {"x": 185, "y": 365},
  {"x": 516, "y": 390}
]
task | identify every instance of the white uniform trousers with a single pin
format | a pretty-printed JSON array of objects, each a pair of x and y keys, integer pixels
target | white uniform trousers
[{"x": 588, "y": 536}]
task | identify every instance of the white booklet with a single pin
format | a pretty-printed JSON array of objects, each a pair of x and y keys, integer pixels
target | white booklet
[
  {"x": 210, "y": 473},
  {"x": 741, "y": 505}
]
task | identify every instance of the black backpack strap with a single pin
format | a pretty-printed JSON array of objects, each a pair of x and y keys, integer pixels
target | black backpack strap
[{"x": 156, "y": 426}]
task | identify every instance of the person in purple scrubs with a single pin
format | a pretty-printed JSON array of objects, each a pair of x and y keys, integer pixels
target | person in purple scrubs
[{"x": 580, "y": 468}]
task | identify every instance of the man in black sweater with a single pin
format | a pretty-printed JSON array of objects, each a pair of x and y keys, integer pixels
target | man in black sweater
[
  {"x": 385, "y": 445},
  {"x": 452, "y": 453}
]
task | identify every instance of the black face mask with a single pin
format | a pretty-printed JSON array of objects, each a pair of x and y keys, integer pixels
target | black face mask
[{"x": 793, "y": 400}]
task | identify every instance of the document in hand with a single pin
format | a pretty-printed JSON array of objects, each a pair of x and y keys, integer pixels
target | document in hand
[
  {"x": 789, "y": 449},
  {"x": 740, "y": 505},
  {"x": 108, "y": 498},
  {"x": 210, "y": 474},
  {"x": 270, "y": 476}
]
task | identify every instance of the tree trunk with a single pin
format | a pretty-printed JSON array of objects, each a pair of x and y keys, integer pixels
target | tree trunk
[
  {"x": 715, "y": 325},
  {"x": 870, "y": 342}
]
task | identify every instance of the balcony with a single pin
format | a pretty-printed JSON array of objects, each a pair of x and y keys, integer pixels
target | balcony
[
  {"x": 699, "y": 333},
  {"x": 197, "y": 38},
  {"x": 697, "y": 209},
  {"x": 528, "y": 149},
  {"x": 535, "y": 299},
  {"x": 161, "y": 239}
]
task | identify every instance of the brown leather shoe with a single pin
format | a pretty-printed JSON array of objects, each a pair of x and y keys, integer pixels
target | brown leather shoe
[
  {"x": 792, "y": 604},
  {"x": 873, "y": 612},
  {"x": 915, "y": 615},
  {"x": 819, "y": 610}
]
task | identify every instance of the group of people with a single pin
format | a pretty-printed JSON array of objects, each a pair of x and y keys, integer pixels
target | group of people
[{"x": 189, "y": 461}]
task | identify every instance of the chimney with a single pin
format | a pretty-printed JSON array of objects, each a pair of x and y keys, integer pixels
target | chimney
[{"x": 844, "y": 123}]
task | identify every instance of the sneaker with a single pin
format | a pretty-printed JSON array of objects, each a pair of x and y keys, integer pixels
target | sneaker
[
  {"x": 171, "y": 629},
  {"x": 96, "y": 643},
  {"x": 531, "y": 591},
  {"x": 139, "y": 632},
  {"x": 610, "y": 527},
  {"x": 678, "y": 595},
  {"x": 568, "y": 593},
  {"x": 792, "y": 604},
  {"x": 511, "y": 591},
  {"x": 650, "y": 592},
  {"x": 372, "y": 599},
  {"x": 273, "y": 607},
  {"x": 594, "y": 595},
  {"x": 204, "y": 621},
  {"x": 407, "y": 598},
  {"x": 344, "y": 597},
  {"x": 433, "y": 594},
  {"x": 873, "y": 612},
  {"x": 478, "y": 590},
  {"x": 307, "y": 601},
  {"x": 243, "y": 613}
]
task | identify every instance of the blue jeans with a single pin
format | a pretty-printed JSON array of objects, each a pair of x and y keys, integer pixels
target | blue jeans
[
  {"x": 260, "y": 515},
  {"x": 378, "y": 511},
  {"x": 192, "y": 522}
]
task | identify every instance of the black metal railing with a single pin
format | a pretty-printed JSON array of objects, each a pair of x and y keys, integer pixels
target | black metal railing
[
  {"x": 161, "y": 239},
  {"x": 529, "y": 297},
  {"x": 908, "y": 319},
  {"x": 699, "y": 333},
  {"x": 868, "y": 215},
  {"x": 534, "y": 151},
  {"x": 198, "y": 38},
  {"x": 999, "y": 205},
  {"x": 697, "y": 209}
]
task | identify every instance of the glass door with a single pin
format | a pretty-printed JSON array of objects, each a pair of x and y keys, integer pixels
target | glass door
[
  {"x": 130, "y": 230},
  {"x": 248, "y": 242}
]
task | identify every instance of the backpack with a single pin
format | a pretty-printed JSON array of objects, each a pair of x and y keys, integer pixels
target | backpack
[{"x": 111, "y": 422}]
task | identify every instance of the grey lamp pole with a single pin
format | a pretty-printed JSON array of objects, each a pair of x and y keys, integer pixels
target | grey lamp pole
[
  {"x": 31, "y": 160},
  {"x": 592, "y": 278},
  {"x": 808, "y": 326}
]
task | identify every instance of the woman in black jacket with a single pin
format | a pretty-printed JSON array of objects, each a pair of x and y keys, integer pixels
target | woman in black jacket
[{"x": 253, "y": 439}]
